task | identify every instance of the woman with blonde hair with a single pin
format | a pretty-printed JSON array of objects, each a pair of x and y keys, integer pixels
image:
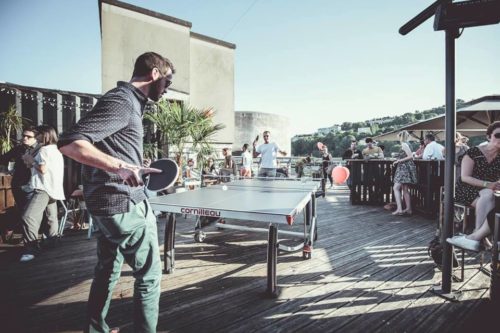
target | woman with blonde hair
[
  {"x": 460, "y": 150},
  {"x": 405, "y": 174}
]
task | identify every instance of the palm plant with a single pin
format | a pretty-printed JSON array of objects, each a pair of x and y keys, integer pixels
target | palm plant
[
  {"x": 178, "y": 125},
  {"x": 10, "y": 124}
]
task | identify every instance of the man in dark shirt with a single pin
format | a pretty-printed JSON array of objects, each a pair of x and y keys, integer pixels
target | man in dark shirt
[
  {"x": 108, "y": 142},
  {"x": 352, "y": 152},
  {"x": 21, "y": 178}
]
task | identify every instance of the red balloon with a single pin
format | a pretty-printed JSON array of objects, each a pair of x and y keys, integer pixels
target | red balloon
[
  {"x": 340, "y": 174},
  {"x": 320, "y": 145}
]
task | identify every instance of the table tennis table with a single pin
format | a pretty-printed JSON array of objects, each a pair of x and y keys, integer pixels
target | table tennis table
[{"x": 275, "y": 202}]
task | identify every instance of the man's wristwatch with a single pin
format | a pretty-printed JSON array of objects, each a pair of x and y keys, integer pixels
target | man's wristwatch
[{"x": 485, "y": 184}]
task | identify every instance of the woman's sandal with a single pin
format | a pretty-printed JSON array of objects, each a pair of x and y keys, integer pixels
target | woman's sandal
[{"x": 398, "y": 213}]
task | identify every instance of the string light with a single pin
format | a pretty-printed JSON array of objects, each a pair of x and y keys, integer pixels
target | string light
[
  {"x": 65, "y": 104},
  {"x": 48, "y": 100}
]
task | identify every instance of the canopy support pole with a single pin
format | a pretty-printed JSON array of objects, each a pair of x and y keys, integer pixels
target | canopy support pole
[{"x": 449, "y": 171}]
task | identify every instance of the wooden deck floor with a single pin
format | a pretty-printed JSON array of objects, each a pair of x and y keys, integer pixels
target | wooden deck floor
[{"x": 369, "y": 273}]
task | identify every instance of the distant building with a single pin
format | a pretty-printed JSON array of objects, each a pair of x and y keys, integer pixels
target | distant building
[
  {"x": 366, "y": 130},
  {"x": 249, "y": 124},
  {"x": 381, "y": 121},
  {"x": 327, "y": 130},
  {"x": 302, "y": 137}
]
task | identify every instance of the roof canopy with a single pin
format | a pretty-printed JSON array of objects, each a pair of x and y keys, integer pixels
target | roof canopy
[{"x": 472, "y": 120}]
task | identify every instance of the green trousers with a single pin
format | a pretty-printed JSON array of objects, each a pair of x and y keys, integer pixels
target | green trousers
[{"x": 131, "y": 237}]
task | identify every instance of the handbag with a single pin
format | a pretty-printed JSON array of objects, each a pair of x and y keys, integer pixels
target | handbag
[{"x": 435, "y": 251}]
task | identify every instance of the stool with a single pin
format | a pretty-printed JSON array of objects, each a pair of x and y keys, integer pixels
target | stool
[
  {"x": 76, "y": 204},
  {"x": 467, "y": 220},
  {"x": 468, "y": 215},
  {"x": 462, "y": 214},
  {"x": 62, "y": 221}
]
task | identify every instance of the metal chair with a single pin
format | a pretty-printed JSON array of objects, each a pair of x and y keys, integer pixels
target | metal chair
[
  {"x": 76, "y": 206},
  {"x": 62, "y": 221}
]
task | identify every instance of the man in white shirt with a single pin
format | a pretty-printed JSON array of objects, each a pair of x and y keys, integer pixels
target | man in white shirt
[
  {"x": 433, "y": 150},
  {"x": 268, "y": 151}
]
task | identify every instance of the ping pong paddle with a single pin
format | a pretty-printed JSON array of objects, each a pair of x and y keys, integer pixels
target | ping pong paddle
[
  {"x": 165, "y": 179},
  {"x": 255, "y": 141}
]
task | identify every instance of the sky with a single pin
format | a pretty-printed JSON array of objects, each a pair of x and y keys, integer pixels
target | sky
[{"x": 318, "y": 62}]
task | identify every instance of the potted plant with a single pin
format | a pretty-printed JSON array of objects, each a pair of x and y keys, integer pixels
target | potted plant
[
  {"x": 10, "y": 124},
  {"x": 178, "y": 125}
]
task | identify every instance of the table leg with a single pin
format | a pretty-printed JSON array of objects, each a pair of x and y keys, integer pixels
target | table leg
[
  {"x": 272, "y": 258},
  {"x": 312, "y": 230},
  {"x": 169, "y": 246},
  {"x": 315, "y": 226}
]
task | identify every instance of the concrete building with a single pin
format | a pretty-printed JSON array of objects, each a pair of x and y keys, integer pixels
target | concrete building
[
  {"x": 204, "y": 73},
  {"x": 366, "y": 130},
  {"x": 249, "y": 124},
  {"x": 204, "y": 66}
]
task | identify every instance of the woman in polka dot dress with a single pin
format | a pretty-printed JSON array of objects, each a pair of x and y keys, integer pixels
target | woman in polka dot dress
[{"x": 479, "y": 180}]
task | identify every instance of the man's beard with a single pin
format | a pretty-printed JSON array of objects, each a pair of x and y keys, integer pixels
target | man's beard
[{"x": 154, "y": 92}]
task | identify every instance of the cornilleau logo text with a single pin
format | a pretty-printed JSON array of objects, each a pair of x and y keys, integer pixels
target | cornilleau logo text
[{"x": 200, "y": 211}]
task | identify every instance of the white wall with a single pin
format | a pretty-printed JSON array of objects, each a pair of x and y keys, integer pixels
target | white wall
[
  {"x": 212, "y": 82},
  {"x": 204, "y": 66},
  {"x": 250, "y": 124},
  {"x": 126, "y": 34}
]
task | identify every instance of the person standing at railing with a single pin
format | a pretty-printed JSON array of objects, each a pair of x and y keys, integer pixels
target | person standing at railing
[
  {"x": 460, "y": 150},
  {"x": 326, "y": 160},
  {"x": 352, "y": 152},
  {"x": 229, "y": 162},
  {"x": 433, "y": 150},
  {"x": 246, "y": 162},
  {"x": 419, "y": 153},
  {"x": 300, "y": 165},
  {"x": 405, "y": 174},
  {"x": 372, "y": 151},
  {"x": 480, "y": 178},
  {"x": 268, "y": 152}
]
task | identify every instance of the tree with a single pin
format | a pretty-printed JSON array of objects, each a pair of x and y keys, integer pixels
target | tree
[
  {"x": 178, "y": 124},
  {"x": 10, "y": 124}
]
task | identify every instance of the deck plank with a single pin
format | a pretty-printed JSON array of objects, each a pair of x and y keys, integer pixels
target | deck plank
[{"x": 369, "y": 272}]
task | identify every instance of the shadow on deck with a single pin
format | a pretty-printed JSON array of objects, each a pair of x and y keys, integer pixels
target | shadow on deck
[{"x": 369, "y": 272}]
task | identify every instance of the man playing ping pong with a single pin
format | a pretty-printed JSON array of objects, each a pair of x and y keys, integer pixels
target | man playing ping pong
[
  {"x": 268, "y": 152},
  {"x": 108, "y": 142}
]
